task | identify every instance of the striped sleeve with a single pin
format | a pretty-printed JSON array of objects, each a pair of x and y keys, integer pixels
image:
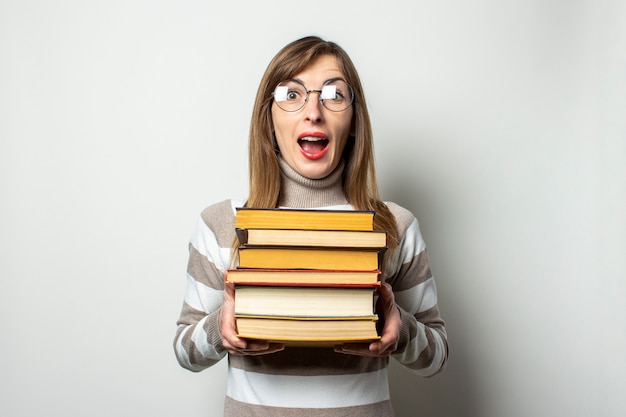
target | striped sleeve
[
  {"x": 197, "y": 344},
  {"x": 423, "y": 345}
]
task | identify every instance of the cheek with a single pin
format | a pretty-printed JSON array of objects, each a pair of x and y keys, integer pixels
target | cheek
[
  {"x": 280, "y": 123},
  {"x": 281, "y": 135},
  {"x": 346, "y": 127},
  {"x": 348, "y": 120}
]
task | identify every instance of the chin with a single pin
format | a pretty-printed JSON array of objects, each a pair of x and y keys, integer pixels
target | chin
[
  {"x": 316, "y": 169},
  {"x": 314, "y": 173}
]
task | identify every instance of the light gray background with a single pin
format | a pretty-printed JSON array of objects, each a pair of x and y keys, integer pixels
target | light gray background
[{"x": 500, "y": 124}]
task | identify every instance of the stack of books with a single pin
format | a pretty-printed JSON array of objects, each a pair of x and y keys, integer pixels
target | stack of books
[{"x": 307, "y": 277}]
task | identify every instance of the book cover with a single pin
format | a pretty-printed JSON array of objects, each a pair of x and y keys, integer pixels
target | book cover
[{"x": 281, "y": 218}]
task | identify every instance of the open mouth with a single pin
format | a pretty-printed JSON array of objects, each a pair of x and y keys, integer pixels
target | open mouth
[{"x": 312, "y": 145}]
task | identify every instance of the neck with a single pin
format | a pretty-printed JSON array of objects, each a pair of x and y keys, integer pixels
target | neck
[{"x": 297, "y": 191}]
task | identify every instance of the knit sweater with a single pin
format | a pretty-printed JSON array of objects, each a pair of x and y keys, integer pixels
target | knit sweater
[{"x": 298, "y": 381}]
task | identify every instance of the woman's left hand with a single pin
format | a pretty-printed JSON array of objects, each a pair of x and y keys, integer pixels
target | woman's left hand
[{"x": 391, "y": 321}]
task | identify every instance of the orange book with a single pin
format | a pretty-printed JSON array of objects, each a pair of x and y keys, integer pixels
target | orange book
[{"x": 303, "y": 277}]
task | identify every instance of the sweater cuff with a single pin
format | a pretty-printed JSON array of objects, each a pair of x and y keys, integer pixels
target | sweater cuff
[
  {"x": 405, "y": 332},
  {"x": 212, "y": 328}
]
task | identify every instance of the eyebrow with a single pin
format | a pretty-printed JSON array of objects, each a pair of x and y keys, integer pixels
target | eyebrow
[{"x": 324, "y": 83}]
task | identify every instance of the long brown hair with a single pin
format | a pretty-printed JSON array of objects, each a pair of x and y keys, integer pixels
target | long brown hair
[{"x": 359, "y": 176}]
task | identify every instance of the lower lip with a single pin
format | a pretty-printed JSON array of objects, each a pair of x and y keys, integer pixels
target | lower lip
[{"x": 314, "y": 156}]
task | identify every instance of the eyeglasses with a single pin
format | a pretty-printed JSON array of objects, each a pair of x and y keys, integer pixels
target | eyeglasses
[{"x": 291, "y": 95}]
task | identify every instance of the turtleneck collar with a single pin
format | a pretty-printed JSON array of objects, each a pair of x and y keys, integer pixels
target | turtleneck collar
[{"x": 297, "y": 191}]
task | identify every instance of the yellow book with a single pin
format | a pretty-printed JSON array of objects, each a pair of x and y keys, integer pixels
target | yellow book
[
  {"x": 309, "y": 258},
  {"x": 313, "y": 332},
  {"x": 275, "y": 218}
]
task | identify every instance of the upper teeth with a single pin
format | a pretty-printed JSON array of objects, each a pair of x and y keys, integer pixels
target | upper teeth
[{"x": 311, "y": 138}]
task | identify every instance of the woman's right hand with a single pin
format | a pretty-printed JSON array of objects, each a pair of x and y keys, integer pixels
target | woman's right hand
[{"x": 228, "y": 330}]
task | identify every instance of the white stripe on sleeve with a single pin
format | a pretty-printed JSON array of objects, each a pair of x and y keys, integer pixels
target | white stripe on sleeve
[
  {"x": 412, "y": 244},
  {"x": 419, "y": 298},
  {"x": 205, "y": 242},
  {"x": 201, "y": 297}
]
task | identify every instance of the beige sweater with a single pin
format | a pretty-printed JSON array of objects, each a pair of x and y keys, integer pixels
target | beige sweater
[{"x": 314, "y": 382}]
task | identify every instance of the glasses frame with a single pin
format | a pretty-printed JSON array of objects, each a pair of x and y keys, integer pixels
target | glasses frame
[{"x": 319, "y": 92}]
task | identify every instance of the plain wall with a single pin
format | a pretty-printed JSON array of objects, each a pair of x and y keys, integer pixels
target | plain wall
[{"x": 500, "y": 124}]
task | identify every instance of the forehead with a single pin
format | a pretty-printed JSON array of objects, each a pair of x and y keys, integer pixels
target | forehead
[{"x": 320, "y": 70}]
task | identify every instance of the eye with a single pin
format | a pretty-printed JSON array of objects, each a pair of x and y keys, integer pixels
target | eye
[
  {"x": 342, "y": 92},
  {"x": 292, "y": 95}
]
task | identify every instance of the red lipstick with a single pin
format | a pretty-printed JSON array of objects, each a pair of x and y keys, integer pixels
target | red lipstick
[{"x": 313, "y": 145}]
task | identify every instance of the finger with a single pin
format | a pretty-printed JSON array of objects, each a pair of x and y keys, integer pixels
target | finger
[
  {"x": 253, "y": 345},
  {"x": 229, "y": 295},
  {"x": 386, "y": 296},
  {"x": 228, "y": 330},
  {"x": 380, "y": 348},
  {"x": 226, "y": 320},
  {"x": 255, "y": 349},
  {"x": 388, "y": 341},
  {"x": 359, "y": 349},
  {"x": 233, "y": 343},
  {"x": 385, "y": 290},
  {"x": 271, "y": 348}
]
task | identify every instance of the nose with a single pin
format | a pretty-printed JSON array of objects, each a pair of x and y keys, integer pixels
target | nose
[{"x": 313, "y": 107}]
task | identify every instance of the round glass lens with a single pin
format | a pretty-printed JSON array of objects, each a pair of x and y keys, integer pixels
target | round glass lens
[{"x": 292, "y": 95}]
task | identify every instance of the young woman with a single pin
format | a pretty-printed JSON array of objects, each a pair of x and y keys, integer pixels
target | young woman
[{"x": 310, "y": 146}]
